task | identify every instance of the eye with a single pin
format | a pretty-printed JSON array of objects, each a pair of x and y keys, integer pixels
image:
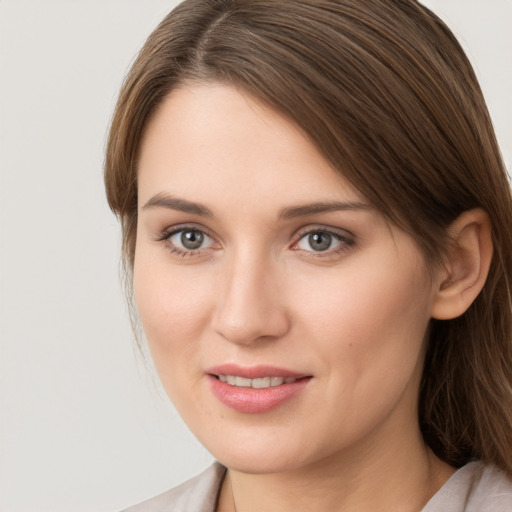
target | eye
[
  {"x": 323, "y": 241},
  {"x": 186, "y": 241},
  {"x": 318, "y": 241}
]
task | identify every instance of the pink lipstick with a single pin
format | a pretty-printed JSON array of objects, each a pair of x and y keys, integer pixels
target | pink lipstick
[{"x": 255, "y": 389}]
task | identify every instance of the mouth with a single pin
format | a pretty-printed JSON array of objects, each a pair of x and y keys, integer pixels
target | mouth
[
  {"x": 256, "y": 389},
  {"x": 258, "y": 383}
]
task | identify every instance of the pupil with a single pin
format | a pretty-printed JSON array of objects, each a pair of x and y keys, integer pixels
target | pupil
[
  {"x": 320, "y": 241},
  {"x": 192, "y": 239}
]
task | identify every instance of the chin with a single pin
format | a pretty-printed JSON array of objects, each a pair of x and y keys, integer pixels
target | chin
[
  {"x": 255, "y": 456},
  {"x": 258, "y": 465}
]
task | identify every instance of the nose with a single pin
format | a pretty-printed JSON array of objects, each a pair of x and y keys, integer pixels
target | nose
[{"x": 250, "y": 305}]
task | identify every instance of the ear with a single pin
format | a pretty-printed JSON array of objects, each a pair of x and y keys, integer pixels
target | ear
[{"x": 467, "y": 264}]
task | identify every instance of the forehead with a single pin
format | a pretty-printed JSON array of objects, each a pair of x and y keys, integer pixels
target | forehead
[{"x": 213, "y": 140}]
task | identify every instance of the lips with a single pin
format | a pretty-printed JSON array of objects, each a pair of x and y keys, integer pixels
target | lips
[
  {"x": 255, "y": 389},
  {"x": 254, "y": 372}
]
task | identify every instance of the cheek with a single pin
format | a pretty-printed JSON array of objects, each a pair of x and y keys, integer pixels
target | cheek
[
  {"x": 367, "y": 328},
  {"x": 173, "y": 304},
  {"x": 366, "y": 297},
  {"x": 173, "y": 311},
  {"x": 369, "y": 321}
]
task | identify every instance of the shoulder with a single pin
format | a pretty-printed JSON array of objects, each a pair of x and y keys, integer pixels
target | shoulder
[
  {"x": 492, "y": 491},
  {"x": 196, "y": 495},
  {"x": 474, "y": 488}
]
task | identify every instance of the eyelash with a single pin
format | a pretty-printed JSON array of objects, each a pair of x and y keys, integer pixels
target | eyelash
[
  {"x": 166, "y": 235},
  {"x": 346, "y": 242}
]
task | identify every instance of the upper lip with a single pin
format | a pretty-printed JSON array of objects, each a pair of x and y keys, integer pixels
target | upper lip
[{"x": 254, "y": 372}]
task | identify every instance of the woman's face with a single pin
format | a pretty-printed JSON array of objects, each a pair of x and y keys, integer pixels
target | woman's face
[{"x": 255, "y": 263}]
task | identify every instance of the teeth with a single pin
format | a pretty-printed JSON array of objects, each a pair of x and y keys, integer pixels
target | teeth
[
  {"x": 276, "y": 381},
  {"x": 260, "y": 383},
  {"x": 242, "y": 382}
]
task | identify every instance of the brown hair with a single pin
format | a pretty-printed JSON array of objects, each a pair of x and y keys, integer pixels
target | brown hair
[{"x": 387, "y": 95}]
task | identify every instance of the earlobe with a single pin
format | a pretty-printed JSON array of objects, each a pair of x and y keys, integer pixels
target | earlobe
[{"x": 467, "y": 265}]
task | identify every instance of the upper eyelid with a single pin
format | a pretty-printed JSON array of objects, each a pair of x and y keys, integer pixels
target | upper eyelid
[
  {"x": 172, "y": 230},
  {"x": 343, "y": 233}
]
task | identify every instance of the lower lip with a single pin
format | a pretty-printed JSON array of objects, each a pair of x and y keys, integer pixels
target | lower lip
[{"x": 252, "y": 400}]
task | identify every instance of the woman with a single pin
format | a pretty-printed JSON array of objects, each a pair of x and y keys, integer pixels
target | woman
[{"x": 316, "y": 225}]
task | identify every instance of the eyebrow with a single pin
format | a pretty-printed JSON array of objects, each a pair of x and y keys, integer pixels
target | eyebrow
[
  {"x": 322, "y": 207},
  {"x": 175, "y": 203},
  {"x": 183, "y": 205}
]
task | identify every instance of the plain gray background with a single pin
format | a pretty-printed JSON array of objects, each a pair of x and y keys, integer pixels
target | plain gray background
[{"x": 84, "y": 426}]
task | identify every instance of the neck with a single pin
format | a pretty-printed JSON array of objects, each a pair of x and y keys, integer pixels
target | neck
[{"x": 400, "y": 477}]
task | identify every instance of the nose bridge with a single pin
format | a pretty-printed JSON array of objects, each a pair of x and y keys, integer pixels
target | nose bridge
[{"x": 250, "y": 306}]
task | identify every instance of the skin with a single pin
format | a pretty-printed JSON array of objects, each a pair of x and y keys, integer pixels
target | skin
[{"x": 354, "y": 317}]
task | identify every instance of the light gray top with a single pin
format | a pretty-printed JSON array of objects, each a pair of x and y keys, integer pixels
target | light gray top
[
  {"x": 196, "y": 495},
  {"x": 473, "y": 488}
]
